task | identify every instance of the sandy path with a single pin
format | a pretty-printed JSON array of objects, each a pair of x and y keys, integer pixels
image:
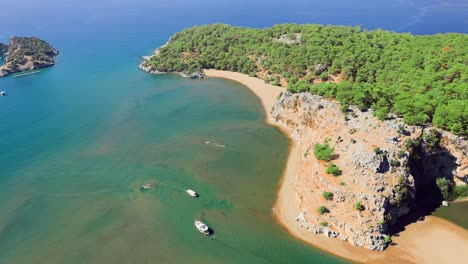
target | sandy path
[{"x": 433, "y": 240}]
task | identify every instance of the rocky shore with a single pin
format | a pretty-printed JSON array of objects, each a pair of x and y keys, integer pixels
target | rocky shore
[
  {"x": 146, "y": 66},
  {"x": 25, "y": 54}
]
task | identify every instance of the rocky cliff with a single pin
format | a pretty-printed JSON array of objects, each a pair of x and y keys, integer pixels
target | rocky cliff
[
  {"x": 385, "y": 170},
  {"x": 27, "y": 54}
]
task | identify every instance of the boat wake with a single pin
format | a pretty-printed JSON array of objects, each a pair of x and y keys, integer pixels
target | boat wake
[{"x": 215, "y": 144}]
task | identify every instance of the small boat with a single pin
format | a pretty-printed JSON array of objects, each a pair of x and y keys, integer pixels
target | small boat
[
  {"x": 445, "y": 203},
  {"x": 204, "y": 229},
  {"x": 145, "y": 187},
  {"x": 191, "y": 193},
  {"x": 3, "y": 93}
]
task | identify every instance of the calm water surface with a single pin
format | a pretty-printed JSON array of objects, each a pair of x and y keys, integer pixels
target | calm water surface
[
  {"x": 457, "y": 213},
  {"x": 79, "y": 138}
]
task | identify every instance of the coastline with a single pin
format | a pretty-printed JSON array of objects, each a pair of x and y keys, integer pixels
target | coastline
[{"x": 420, "y": 242}]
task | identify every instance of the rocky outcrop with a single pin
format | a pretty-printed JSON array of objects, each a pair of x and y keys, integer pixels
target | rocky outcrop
[
  {"x": 320, "y": 68},
  {"x": 146, "y": 66},
  {"x": 377, "y": 164},
  {"x": 289, "y": 40},
  {"x": 27, "y": 54}
]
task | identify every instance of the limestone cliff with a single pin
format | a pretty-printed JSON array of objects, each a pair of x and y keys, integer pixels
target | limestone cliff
[
  {"x": 387, "y": 167},
  {"x": 27, "y": 54}
]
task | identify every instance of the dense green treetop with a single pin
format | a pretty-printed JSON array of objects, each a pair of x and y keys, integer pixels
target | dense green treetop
[
  {"x": 421, "y": 78},
  {"x": 19, "y": 47}
]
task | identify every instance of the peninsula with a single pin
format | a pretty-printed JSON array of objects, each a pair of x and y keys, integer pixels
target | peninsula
[
  {"x": 376, "y": 118},
  {"x": 25, "y": 54}
]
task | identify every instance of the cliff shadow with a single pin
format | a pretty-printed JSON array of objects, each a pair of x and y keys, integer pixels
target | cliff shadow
[{"x": 426, "y": 167}]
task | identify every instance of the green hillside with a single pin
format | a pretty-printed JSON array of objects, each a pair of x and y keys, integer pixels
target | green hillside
[{"x": 421, "y": 78}]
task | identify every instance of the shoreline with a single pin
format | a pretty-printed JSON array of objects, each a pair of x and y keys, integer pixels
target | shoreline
[{"x": 420, "y": 242}]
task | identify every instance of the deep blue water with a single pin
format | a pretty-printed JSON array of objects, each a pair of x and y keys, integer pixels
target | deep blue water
[{"x": 79, "y": 138}]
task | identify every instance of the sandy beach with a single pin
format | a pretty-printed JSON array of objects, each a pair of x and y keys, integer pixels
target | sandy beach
[{"x": 433, "y": 240}]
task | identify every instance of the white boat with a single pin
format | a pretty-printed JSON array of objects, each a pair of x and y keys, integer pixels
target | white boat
[
  {"x": 145, "y": 186},
  {"x": 3, "y": 93},
  {"x": 204, "y": 229},
  {"x": 191, "y": 193},
  {"x": 445, "y": 203}
]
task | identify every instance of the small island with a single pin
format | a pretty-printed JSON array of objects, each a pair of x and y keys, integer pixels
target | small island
[{"x": 25, "y": 54}]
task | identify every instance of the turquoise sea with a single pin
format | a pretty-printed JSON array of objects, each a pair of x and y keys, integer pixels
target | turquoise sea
[{"x": 79, "y": 139}]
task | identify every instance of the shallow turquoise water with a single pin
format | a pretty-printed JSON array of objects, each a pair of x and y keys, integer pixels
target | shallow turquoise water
[{"x": 78, "y": 150}]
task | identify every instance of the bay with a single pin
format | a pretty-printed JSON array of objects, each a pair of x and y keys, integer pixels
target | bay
[{"x": 80, "y": 138}]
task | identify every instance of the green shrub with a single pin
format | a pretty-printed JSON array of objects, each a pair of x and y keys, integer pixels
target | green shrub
[
  {"x": 252, "y": 74},
  {"x": 388, "y": 239},
  {"x": 323, "y": 210},
  {"x": 400, "y": 154},
  {"x": 388, "y": 217},
  {"x": 358, "y": 206},
  {"x": 323, "y": 152},
  {"x": 376, "y": 150},
  {"x": 410, "y": 144},
  {"x": 395, "y": 163},
  {"x": 401, "y": 180},
  {"x": 342, "y": 183},
  {"x": 446, "y": 189},
  {"x": 403, "y": 194},
  {"x": 353, "y": 141},
  {"x": 344, "y": 108},
  {"x": 328, "y": 195},
  {"x": 333, "y": 169},
  {"x": 324, "y": 224},
  {"x": 431, "y": 140},
  {"x": 461, "y": 191}
]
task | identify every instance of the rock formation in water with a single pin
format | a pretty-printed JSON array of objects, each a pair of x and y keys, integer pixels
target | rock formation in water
[
  {"x": 386, "y": 170},
  {"x": 25, "y": 54}
]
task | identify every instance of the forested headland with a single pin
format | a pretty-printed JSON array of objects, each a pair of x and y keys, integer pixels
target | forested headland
[
  {"x": 26, "y": 53},
  {"x": 423, "y": 79}
]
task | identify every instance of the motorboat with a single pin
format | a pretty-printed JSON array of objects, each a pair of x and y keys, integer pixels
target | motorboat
[
  {"x": 145, "y": 187},
  {"x": 191, "y": 193},
  {"x": 202, "y": 227}
]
